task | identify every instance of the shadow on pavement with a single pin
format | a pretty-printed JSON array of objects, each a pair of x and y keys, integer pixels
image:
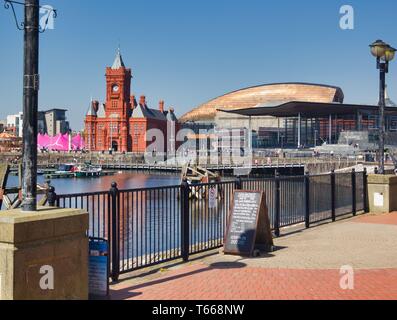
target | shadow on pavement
[{"x": 134, "y": 291}]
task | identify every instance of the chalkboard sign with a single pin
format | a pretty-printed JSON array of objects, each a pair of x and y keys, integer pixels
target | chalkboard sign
[{"x": 249, "y": 226}]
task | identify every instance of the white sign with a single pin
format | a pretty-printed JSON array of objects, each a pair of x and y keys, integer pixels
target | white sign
[
  {"x": 378, "y": 199},
  {"x": 212, "y": 199}
]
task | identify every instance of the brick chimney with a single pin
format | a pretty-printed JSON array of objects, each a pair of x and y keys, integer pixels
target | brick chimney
[
  {"x": 142, "y": 101},
  {"x": 161, "y": 106}
]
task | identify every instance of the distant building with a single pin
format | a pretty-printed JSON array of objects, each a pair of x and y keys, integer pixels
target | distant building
[
  {"x": 291, "y": 115},
  {"x": 3, "y": 125},
  {"x": 54, "y": 122},
  {"x": 41, "y": 123},
  {"x": 266, "y": 130},
  {"x": 51, "y": 122},
  {"x": 9, "y": 142},
  {"x": 121, "y": 123},
  {"x": 15, "y": 124}
]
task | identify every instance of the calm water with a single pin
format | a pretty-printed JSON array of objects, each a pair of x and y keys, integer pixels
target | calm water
[{"x": 125, "y": 180}]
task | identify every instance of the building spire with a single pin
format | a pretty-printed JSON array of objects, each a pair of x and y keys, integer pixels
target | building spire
[
  {"x": 91, "y": 110},
  {"x": 118, "y": 61}
]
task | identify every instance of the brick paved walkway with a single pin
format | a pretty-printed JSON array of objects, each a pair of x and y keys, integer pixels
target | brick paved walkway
[
  {"x": 306, "y": 268},
  {"x": 390, "y": 218}
]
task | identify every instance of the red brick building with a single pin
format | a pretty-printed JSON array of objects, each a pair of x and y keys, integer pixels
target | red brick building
[{"x": 121, "y": 123}]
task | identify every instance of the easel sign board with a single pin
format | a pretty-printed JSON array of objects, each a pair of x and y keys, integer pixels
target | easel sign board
[{"x": 249, "y": 225}]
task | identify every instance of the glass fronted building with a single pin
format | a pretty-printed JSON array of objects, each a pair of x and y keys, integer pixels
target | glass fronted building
[{"x": 309, "y": 124}]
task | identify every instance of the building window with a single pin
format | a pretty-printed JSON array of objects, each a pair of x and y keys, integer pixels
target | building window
[
  {"x": 114, "y": 128},
  {"x": 373, "y": 122},
  {"x": 393, "y": 123}
]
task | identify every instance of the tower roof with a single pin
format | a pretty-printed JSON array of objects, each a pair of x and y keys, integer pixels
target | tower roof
[
  {"x": 91, "y": 111},
  {"x": 118, "y": 61},
  {"x": 101, "y": 111}
]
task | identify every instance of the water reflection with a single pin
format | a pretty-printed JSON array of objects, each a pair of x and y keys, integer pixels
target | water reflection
[{"x": 125, "y": 180}]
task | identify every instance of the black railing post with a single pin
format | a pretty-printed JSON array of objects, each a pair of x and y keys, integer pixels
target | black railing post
[
  {"x": 365, "y": 190},
  {"x": 307, "y": 200},
  {"x": 238, "y": 183},
  {"x": 354, "y": 200},
  {"x": 277, "y": 205},
  {"x": 333, "y": 195},
  {"x": 185, "y": 230},
  {"x": 114, "y": 238}
]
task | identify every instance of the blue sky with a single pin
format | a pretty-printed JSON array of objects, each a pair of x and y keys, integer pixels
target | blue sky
[{"x": 189, "y": 51}]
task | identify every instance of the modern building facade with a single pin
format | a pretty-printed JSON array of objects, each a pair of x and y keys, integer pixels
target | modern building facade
[
  {"x": 122, "y": 122},
  {"x": 291, "y": 115},
  {"x": 309, "y": 124},
  {"x": 265, "y": 129}
]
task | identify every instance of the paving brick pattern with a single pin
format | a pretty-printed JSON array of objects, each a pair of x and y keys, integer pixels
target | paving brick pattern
[
  {"x": 307, "y": 267},
  {"x": 200, "y": 282}
]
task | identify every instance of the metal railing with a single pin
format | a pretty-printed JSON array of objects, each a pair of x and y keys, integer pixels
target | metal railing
[{"x": 149, "y": 226}]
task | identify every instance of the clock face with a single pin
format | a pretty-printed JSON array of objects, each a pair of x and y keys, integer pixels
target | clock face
[{"x": 115, "y": 88}]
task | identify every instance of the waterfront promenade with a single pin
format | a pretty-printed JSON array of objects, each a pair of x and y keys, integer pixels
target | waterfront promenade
[{"x": 306, "y": 265}]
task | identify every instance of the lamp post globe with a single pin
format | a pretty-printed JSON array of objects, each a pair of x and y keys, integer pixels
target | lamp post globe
[
  {"x": 378, "y": 48},
  {"x": 389, "y": 54}
]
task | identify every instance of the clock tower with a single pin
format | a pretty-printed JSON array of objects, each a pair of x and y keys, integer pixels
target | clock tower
[
  {"x": 120, "y": 123},
  {"x": 118, "y": 105},
  {"x": 118, "y": 88}
]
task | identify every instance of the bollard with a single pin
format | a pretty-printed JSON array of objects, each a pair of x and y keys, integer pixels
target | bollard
[{"x": 52, "y": 197}]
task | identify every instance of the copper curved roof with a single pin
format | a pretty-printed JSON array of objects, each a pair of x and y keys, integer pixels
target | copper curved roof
[{"x": 272, "y": 94}]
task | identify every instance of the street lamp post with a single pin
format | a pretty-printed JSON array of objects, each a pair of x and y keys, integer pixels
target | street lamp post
[
  {"x": 383, "y": 53},
  {"x": 30, "y": 105},
  {"x": 31, "y": 29}
]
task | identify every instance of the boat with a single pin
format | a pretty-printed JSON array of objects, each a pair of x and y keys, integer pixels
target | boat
[
  {"x": 65, "y": 169},
  {"x": 87, "y": 171}
]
